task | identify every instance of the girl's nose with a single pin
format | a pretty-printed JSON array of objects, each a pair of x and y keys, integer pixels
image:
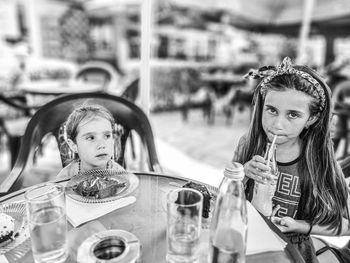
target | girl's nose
[
  {"x": 278, "y": 123},
  {"x": 101, "y": 144}
]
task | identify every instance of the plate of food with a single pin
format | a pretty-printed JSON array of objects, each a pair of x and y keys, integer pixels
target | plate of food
[
  {"x": 101, "y": 185},
  {"x": 14, "y": 232}
]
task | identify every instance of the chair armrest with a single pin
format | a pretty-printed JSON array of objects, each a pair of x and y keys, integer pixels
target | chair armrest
[
  {"x": 10, "y": 180},
  {"x": 13, "y": 102},
  {"x": 25, "y": 154}
]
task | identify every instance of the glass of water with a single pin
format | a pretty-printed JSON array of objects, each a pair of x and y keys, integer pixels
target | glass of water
[
  {"x": 184, "y": 214},
  {"x": 46, "y": 212}
]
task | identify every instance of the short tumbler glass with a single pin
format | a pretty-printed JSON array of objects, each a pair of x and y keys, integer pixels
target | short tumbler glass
[
  {"x": 46, "y": 212},
  {"x": 184, "y": 217}
]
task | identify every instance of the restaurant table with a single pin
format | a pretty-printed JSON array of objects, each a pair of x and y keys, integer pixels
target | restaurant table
[
  {"x": 221, "y": 83},
  {"x": 41, "y": 92},
  {"x": 58, "y": 87},
  {"x": 146, "y": 219}
]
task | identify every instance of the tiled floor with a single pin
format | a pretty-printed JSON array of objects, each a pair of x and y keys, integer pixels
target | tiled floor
[{"x": 210, "y": 145}]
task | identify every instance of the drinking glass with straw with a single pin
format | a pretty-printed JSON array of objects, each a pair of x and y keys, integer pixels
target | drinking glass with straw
[
  {"x": 264, "y": 191},
  {"x": 269, "y": 154}
]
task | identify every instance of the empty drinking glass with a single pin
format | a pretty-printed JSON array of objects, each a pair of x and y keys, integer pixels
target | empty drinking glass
[
  {"x": 184, "y": 216},
  {"x": 46, "y": 213}
]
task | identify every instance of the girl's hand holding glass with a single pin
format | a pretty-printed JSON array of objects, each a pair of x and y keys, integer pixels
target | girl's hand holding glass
[{"x": 258, "y": 170}]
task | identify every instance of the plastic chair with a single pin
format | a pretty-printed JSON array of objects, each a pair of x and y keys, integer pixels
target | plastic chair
[
  {"x": 131, "y": 91},
  {"x": 14, "y": 127},
  {"x": 50, "y": 117},
  {"x": 330, "y": 248},
  {"x": 341, "y": 100},
  {"x": 98, "y": 72},
  {"x": 328, "y": 253}
]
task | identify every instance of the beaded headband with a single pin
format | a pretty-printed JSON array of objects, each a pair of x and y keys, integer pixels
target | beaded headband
[{"x": 267, "y": 73}]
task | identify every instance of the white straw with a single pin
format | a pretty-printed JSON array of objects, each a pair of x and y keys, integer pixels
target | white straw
[{"x": 269, "y": 155}]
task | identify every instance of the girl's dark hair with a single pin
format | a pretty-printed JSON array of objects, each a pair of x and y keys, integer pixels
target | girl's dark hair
[
  {"x": 84, "y": 112},
  {"x": 324, "y": 191}
]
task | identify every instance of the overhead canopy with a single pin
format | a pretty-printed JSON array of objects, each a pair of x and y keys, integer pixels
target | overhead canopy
[{"x": 329, "y": 17}]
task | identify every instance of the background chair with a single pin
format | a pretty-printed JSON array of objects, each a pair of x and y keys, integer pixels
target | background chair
[
  {"x": 131, "y": 91},
  {"x": 50, "y": 117},
  {"x": 327, "y": 253},
  {"x": 15, "y": 115},
  {"x": 98, "y": 72},
  {"x": 341, "y": 100},
  {"x": 334, "y": 249}
]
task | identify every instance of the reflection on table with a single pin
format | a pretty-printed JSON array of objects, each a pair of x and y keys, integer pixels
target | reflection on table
[{"x": 146, "y": 219}]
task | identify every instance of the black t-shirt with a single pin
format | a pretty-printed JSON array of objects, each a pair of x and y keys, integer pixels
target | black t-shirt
[{"x": 288, "y": 192}]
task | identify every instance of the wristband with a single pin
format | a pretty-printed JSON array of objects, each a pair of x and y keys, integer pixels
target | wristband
[{"x": 309, "y": 232}]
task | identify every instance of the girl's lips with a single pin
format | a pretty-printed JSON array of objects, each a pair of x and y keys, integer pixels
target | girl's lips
[
  {"x": 271, "y": 135},
  {"x": 101, "y": 155}
]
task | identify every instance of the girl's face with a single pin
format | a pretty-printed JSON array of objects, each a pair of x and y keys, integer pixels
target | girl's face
[
  {"x": 95, "y": 143},
  {"x": 286, "y": 114}
]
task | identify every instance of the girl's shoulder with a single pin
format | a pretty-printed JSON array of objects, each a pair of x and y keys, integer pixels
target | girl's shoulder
[
  {"x": 239, "y": 148},
  {"x": 69, "y": 171},
  {"x": 243, "y": 139},
  {"x": 115, "y": 166},
  {"x": 242, "y": 142}
]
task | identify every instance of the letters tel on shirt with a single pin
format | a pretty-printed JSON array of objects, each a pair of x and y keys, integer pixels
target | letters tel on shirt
[{"x": 287, "y": 194}]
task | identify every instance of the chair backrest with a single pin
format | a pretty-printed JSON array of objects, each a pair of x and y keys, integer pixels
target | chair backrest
[
  {"x": 98, "y": 72},
  {"x": 341, "y": 101},
  {"x": 131, "y": 92},
  {"x": 17, "y": 103},
  {"x": 52, "y": 115}
]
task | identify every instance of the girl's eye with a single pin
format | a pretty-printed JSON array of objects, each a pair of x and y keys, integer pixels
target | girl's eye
[
  {"x": 90, "y": 138},
  {"x": 271, "y": 110},
  {"x": 293, "y": 115},
  {"x": 107, "y": 136}
]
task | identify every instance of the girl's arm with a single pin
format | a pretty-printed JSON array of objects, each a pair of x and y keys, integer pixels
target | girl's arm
[{"x": 288, "y": 224}]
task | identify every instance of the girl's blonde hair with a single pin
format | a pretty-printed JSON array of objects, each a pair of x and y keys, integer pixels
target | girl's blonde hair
[
  {"x": 324, "y": 191},
  {"x": 85, "y": 112}
]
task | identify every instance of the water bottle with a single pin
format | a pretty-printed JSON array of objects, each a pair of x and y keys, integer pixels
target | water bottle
[
  {"x": 228, "y": 229},
  {"x": 263, "y": 193}
]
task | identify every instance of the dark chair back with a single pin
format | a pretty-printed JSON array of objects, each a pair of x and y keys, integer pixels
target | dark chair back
[
  {"x": 14, "y": 116},
  {"x": 341, "y": 100},
  {"x": 98, "y": 72},
  {"x": 325, "y": 251},
  {"x": 131, "y": 92},
  {"x": 51, "y": 116}
]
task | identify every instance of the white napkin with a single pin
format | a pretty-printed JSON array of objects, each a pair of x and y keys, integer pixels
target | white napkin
[
  {"x": 260, "y": 237},
  {"x": 3, "y": 259},
  {"x": 79, "y": 213}
]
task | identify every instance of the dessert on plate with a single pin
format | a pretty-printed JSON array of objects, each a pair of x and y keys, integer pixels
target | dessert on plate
[
  {"x": 7, "y": 227},
  {"x": 206, "y": 196}
]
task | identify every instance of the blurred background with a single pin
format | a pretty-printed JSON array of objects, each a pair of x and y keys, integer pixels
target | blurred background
[{"x": 182, "y": 61}]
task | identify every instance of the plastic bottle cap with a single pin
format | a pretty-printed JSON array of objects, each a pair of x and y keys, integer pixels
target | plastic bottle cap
[{"x": 234, "y": 171}]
